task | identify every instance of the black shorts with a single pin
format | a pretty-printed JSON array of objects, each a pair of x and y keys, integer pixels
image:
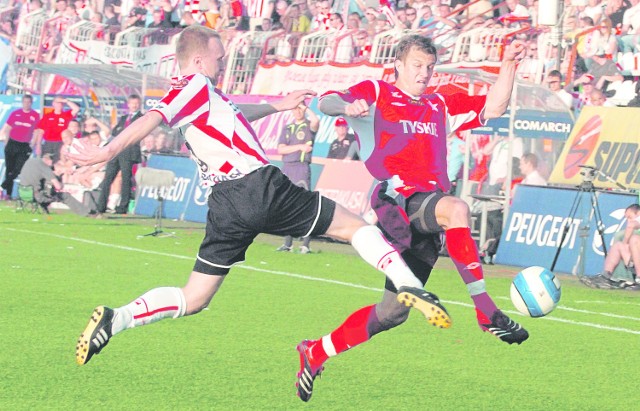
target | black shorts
[
  {"x": 264, "y": 201},
  {"x": 425, "y": 235}
]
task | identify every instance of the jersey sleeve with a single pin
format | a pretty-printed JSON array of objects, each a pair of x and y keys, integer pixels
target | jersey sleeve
[
  {"x": 12, "y": 118},
  {"x": 464, "y": 112},
  {"x": 187, "y": 100},
  {"x": 366, "y": 90}
]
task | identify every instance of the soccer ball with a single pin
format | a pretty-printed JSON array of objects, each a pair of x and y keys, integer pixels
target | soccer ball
[{"x": 535, "y": 291}]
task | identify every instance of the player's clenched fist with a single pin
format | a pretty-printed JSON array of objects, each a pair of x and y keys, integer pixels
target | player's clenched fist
[
  {"x": 515, "y": 51},
  {"x": 358, "y": 108}
]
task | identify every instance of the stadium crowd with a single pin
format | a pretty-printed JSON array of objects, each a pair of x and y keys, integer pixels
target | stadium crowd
[{"x": 600, "y": 33}]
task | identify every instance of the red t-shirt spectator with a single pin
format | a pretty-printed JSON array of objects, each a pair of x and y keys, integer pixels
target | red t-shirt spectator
[
  {"x": 54, "y": 124},
  {"x": 22, "y": 125}
]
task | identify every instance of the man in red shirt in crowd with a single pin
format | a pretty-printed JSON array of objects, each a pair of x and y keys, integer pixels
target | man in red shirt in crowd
[
  {"x": 52, "y": 125},
  {"x": 19, "y": 128}
]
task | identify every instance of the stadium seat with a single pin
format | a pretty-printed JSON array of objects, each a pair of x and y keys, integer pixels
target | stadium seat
[{"x": 28, "y": 202}]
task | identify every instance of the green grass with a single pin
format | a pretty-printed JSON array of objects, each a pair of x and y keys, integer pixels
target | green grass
[{"x": 239, "y": 354}]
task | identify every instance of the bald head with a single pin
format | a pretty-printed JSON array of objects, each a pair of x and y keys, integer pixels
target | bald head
[{"x": 193, "y": 40}]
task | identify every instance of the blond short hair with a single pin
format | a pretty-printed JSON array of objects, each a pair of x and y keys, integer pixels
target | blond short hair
[{"x": 192, "y": 40}]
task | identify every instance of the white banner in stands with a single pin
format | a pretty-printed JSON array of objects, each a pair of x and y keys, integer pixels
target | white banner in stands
[{"x": 282, "y": 78}]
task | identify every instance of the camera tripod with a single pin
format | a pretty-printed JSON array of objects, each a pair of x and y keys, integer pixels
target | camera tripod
[{"x": 584, "y": 187}]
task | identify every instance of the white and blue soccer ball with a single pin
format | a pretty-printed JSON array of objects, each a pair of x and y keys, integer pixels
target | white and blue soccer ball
[{"x": 535, "y": 291}]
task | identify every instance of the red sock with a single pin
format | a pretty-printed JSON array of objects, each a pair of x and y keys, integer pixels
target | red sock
[
  {"x": 464, "y": 254},
  {"x": 354, "y": 331}
]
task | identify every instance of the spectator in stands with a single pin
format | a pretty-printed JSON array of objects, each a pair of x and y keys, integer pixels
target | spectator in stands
[
  {"x": 123, "y": 162},
  {"x": 279, "y": 11},
  {"x": 604, "y": 70},
  {"x": 412, "y": 17},
  {"x": 479, "y": 8},
  {"x": 516, "y": 15},
  {"x": 59, "y": 8},
  {"x": 294, "y": 21},
  {"x": 47, "y": 189},
  {"x": 163, "y": 143},
  {"x": 597, "y": 98},
  {"x": 401, "y": 18},
  {"x": 64, "y": 167},
  {"x": 18, "y": 133},
  {"x": 529, "y": 169},
  {"x": 74, "y": 127},
  {"x": 159, "y": 21},
  {"x": 295, "y": 146},
  {"x": 340, "y": 47},
  {"x": 615, "y": 11},
  {"x": 213, "y": 17},
  {"x": 630, "y": 31},
  {"x": 370, "y": 15},
  {"x": 587, "y": 43},
  {"x": 382, "y": 23},
  {"x": 426, "y": 19},
  {"x": 554, "y": 82},
  {"x": 321, "y": 19},
  {"x": 625, "y": 250},
  {"x": 92, "y": 124},
  {"x": 136, "y": 17},
  {"x": 354, "y": 21},
  {"x": 111, "y": 18},
  {"x": 341, "y": 146},
  {"x": 47, "y": 133},
  {"x": 594, "y": 10},
  {"x": 607, "y": 40},
  {"x": 586, "y": 85},
  {"x": 362, "y": 42},
  {"x": 530, "y": 66},
  {"x": 635, "y": 102},
  {"x": 267, "y": 25}
]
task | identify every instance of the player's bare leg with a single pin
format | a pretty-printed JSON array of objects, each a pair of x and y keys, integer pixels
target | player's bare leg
[
  {"x": 154, "y": 305},
  {"x": 453, "y": 215}
]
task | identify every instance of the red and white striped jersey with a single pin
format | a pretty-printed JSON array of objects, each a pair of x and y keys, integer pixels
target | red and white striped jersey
[{"x": 221, "y": 140}]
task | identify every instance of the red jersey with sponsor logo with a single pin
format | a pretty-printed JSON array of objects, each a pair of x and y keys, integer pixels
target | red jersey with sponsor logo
[
  {"x": 403, "y": 140},
  {"x": 22, "y": 125},
  {"x": 220, "y": 138},
  {"x": 54, "y": 124}
]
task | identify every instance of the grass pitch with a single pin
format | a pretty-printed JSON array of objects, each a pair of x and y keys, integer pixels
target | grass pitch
[{"x": 240, "y": 353}]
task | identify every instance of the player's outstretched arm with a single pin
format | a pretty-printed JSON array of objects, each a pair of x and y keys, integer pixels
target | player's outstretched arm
[
  {"x": 87, "y": 154},
  {"x": 500, "y": 93},
  {"x": 334, "y": 105},
  {"x": 254, "y": 112}
]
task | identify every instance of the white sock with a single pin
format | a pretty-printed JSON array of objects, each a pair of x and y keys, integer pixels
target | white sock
[
  {"x": 370, "y": 243},
  {"x": 113, "y": 201},
  {"x": 152, "y": 306}
]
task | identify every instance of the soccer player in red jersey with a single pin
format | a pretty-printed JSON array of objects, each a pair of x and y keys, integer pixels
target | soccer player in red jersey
[
  {"x": 402, "y": 136},
  {"x": 248, "y": 196}
]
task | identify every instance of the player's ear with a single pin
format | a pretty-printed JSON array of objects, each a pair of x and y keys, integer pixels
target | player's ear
[{"x": 396, "y": 64}]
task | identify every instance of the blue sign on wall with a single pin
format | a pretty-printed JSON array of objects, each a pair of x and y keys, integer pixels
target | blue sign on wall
[
  {"x": 538, "y": 218},
  {"x": 531, "y": 124},
  {"x": 178, "y": 197}
]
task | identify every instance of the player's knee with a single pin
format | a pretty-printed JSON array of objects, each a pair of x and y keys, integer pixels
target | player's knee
[
  {"x": 634, "y": 241},
  {"x": 459, "y": 213},
  {"x": 196, "y": 303},
  {"x": 391, "y": 317}
]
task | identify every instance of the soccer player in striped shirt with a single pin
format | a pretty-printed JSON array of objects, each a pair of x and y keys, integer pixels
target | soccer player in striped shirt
[
  {"x": 248, "y": 196},
  {"x": 402, "y": 136}
]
